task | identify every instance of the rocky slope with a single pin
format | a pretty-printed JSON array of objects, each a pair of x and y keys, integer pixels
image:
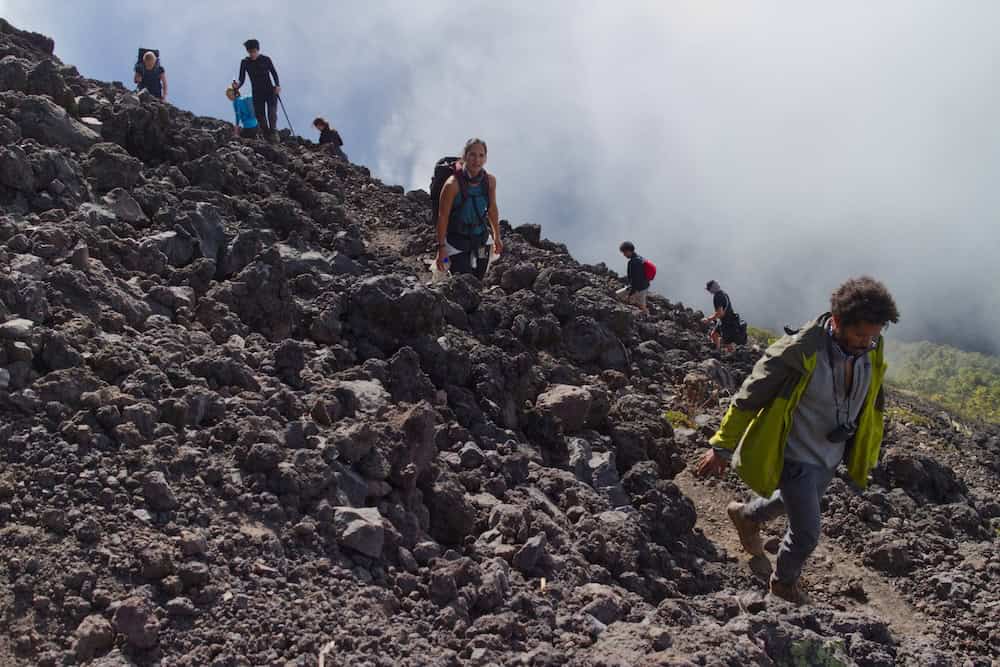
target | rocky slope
[{"x": 238, "y": 428}]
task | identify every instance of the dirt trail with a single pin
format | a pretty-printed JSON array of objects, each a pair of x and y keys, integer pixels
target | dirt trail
[{"x": 829, "y": 574}]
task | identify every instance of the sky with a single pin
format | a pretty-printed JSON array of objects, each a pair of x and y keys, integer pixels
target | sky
[{"x": 778, "y": 147}]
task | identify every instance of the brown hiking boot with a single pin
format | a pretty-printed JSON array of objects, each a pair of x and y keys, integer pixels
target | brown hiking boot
[
  {"x": 789, "y": 592},
  {"x": 749, "y": 531}
]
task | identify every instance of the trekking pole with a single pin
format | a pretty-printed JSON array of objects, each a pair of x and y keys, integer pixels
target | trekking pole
[{"x": 282, "y": 104}]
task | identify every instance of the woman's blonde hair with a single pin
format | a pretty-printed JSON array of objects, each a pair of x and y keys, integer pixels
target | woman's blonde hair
[
  {"x": 471, "y": 143},
  {"x": 231, "y": 90}
]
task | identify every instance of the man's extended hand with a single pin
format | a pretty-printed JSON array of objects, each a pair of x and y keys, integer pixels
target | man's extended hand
[{"x": 711, "y": 463}]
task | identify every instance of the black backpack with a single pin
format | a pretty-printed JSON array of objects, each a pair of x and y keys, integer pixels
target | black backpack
[
  {"x": 733, "y": 327},
  {"x": 445, "y": 168}
]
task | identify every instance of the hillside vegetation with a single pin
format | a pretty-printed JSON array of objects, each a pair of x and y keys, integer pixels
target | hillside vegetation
[{"x": 966, "y": 382}]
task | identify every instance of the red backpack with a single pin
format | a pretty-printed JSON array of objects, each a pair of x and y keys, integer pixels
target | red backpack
[{"x": 649, "y": 268}]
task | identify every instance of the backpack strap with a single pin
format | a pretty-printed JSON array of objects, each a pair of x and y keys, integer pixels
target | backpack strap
[
  {"x": 730, "y": 314},
  {"x": 463, "y": 186}
]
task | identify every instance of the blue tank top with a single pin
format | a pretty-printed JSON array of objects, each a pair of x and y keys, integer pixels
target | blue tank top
[
  {"x": 469, "y": 219},
  {"x": 245, "y": 116}
]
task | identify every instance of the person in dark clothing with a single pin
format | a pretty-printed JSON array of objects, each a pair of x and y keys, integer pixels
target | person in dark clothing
[
  {"x": 151, "y": 77},
  {"x": 635, "y": 275},
  {"x": 329, "y": 136},
  {"x": 261, "y": 70},
  {"x": 726, "y": 327}
]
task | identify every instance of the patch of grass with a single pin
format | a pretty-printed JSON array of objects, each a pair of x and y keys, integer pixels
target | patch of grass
[
  {"x": 898, "y": 413},
  {"x": 678, "y": 419},
  {"x": 761, "y": 337}
]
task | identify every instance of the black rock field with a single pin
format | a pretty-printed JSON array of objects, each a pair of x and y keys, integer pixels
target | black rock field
[{"x": 239, "y": 426}]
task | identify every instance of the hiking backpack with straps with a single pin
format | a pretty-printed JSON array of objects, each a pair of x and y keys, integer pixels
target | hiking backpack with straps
[
  {"x": 733, "y": 327},
  {"x": 649, "y": 268},
  {"x": 445, "y": 168}
]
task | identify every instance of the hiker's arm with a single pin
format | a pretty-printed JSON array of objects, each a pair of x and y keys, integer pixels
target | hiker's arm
[
  {"x": 243, "y": 74},
  {"x": 494, "y": 214},
  {"x": 138, "y": 77},
  {"x": 446, "y": 199},
  {"x": 764, "y": 384},
  {"x": 719, "y": 313},
  {"x": 274, "y": 73},
  {"x": 163, "y": 80}
]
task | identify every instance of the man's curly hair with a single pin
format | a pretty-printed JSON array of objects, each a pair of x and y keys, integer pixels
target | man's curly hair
[{"x": 863, "y": 299}]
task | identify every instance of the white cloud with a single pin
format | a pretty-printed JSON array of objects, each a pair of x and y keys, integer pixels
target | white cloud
[{"x": 776, "y": 146}]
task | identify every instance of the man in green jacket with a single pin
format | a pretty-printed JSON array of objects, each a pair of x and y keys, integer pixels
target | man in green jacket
[{"x": 814, "y": 400}]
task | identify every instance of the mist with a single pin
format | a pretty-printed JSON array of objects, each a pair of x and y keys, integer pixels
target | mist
[{"x": 777, "y": 147}]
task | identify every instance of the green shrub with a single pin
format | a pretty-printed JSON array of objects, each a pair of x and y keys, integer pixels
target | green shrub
[
  {"x": 900, "y": 414},
  {"x": 678, "y": 419},
  {"x": 761, "y": 337}
]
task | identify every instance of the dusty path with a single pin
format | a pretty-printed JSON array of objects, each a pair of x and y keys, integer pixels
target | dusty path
[{"x": 833, "y": 577}]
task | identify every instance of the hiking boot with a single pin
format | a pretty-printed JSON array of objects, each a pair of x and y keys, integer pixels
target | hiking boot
[
  {"x": 749, "y": 531},
  {"x": 789, "y": 592}
]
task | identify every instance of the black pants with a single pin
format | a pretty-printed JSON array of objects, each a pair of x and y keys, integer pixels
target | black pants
[
  {"x": 248, "y": 133},
  {"x": 268, "y": 121},
  {"x": 462, "y": 262}
]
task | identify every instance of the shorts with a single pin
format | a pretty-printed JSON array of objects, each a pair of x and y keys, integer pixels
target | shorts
[{"x": 637, "y": 299}]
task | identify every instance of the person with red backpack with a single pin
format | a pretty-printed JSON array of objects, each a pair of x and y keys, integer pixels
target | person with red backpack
[
  {"x": 638, "y": 274},
  {"x": 467, "y": 212}
]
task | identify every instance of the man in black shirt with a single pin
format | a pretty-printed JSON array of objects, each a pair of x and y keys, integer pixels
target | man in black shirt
[
  {"x": 635, "y": 276},
  {"x": 265, "y": 94},
  {"x": 727, "y": 329}
]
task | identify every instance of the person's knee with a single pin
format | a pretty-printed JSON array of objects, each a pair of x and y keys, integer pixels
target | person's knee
[{"x": 805, "y": 539}]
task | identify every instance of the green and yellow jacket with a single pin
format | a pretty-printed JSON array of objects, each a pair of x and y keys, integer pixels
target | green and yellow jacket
[{"x": 758, "y": 421}]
